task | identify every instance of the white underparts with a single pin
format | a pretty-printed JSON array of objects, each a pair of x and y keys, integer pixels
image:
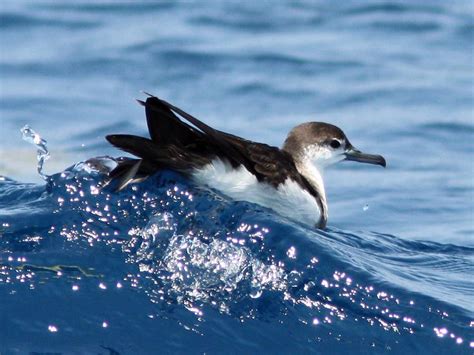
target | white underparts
[
  {"x": 289, "y": 199},
  {"x": 311, "y": 164},
  {"x": 315, "y": 178}
]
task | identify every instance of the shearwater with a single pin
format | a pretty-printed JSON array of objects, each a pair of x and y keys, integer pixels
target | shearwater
[{"x": 288, "y": 180}]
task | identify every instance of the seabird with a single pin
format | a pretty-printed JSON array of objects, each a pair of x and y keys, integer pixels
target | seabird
[{"x": 288, "y": 180}]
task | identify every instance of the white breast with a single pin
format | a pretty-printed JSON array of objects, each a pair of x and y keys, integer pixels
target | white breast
[{"x": 289, "y": 199}]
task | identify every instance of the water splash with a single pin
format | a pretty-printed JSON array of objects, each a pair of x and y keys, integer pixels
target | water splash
[
  {"x": 197, "y": 269},
  {"x": 42, "y": 153}
]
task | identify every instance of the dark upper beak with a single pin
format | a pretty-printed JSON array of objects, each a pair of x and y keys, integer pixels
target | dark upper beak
[{"x": 356, "y": 155}]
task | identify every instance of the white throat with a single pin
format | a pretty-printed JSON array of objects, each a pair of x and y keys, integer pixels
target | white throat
[{"x": 314, "y": 174}]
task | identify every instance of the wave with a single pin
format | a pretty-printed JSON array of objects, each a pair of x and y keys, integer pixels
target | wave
[{"x": 190, "y": 248}]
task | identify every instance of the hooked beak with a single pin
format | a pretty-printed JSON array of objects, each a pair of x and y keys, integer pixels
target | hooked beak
[{"x": 356, "y": 155}]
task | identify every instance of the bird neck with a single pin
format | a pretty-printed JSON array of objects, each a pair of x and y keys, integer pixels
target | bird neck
[{"x": 314, "y": 175}]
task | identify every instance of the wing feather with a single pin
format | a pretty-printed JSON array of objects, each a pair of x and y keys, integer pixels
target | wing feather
[{"x": 268, "y": 163}]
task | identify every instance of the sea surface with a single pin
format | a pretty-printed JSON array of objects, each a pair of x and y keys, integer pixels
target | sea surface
[{"x": 166, "y": 266}]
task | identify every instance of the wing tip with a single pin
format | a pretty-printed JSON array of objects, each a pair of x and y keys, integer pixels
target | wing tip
[
  {"x": 112, "y": 138},
  {"x": 149, "y": 96},
  {"x": 147, "y": 93}
]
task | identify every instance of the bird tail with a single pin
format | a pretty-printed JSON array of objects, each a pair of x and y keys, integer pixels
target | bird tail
[
  {"x": 152, "y": 157},
  {"x": 173, "y": 144}
]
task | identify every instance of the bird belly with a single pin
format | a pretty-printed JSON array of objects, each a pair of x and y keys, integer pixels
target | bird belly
[{"x": 289, "y": 199}]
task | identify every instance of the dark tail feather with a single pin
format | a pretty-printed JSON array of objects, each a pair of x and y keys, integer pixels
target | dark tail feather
[
  {"x": 152, "y": 156},
  {"x": 164, "y": 126},
  {"x": 126, "y": 174},
  {"x": 169, "y": 146},
  {"x": 129, "y": 170},
  {"x": 123, "y": 165},
  {"x": 133, "y": 170},
  {"x": 170, "y": 156},
  {"x": 139, "y": 146}
]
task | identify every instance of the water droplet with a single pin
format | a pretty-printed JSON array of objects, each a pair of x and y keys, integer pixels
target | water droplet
[
  {"x": 291, "y": 252},
  {"x": 42, "y": 153},
  {"x": 255, "y": 292},
  {"x": 309, "y": 285},
  {"x": 294, "y": 278}
]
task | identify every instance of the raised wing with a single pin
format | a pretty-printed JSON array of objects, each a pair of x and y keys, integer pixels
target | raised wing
[{"x": 269, "y": 164}]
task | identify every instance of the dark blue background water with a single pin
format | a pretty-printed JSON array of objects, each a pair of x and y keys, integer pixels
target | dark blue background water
[{"x": 166, "y": 266}]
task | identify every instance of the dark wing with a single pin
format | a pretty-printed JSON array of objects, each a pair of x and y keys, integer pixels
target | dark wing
[
  {"x": 177, "y": 145},
  {"x": 254, "y": 156},
  {"x": 165, "y": 127},
  {"x": 267, "y": 163},
  {"x": 174, "y": 144}
]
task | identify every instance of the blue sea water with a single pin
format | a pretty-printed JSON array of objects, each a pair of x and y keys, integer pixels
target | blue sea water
[{"x": 169, "y": 267}]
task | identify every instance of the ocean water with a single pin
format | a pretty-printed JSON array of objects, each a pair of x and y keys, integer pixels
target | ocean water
[{"x": 166, "y": 266}]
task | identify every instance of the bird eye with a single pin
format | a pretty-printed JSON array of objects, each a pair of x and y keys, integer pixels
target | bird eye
[{"x": 335, "y": 144}]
